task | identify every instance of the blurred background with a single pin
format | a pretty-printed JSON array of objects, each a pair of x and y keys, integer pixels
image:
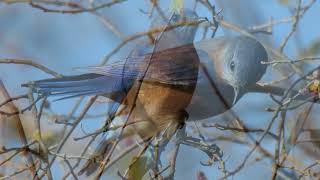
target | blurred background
[{"x": 64, "y": 41}]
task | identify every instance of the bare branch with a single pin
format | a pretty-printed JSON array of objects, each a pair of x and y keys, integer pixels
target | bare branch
[
  {"x": 20, "y": 130},
  {"x": 30, "y": 63},
  {"x": 79, "y": 9}
]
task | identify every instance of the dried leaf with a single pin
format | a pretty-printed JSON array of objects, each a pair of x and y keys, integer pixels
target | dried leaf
[
  {"x": 177, "y": 5},
  {"x": 315, "y": 134},
  {"x": 314, "y": 87},
  {"x": 139, "y": 168},
  {"x": 284, "y": 2}
]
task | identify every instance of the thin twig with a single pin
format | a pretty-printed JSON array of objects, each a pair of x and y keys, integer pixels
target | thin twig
[
  {"x": 20, "y": 130},
  {"x": 79, "y": 10},
  {"x": 77, "y": 121},
  {"x": 31, "y": 63}
]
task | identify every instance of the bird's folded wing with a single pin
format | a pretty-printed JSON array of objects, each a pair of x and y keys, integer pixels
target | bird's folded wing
[{"x": 175, "y": 66}]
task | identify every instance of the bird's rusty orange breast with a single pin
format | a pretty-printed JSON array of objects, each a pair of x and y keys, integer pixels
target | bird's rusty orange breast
[{"x": 164, "y": 99}]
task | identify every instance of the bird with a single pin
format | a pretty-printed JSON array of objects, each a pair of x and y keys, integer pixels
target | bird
[
  {"x": 233, "y": 65},
  {"x": 88, "y": 84},
  {"x": 170, "y": 38},
  {"x": 188, "y": 82}
]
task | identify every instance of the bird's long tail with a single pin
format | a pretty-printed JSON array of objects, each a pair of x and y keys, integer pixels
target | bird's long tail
[{"x": 74, "y": 86}]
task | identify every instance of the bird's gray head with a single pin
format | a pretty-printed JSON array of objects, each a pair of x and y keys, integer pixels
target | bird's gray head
[
  {"x": 242, "y": 65},
  {"x": 183, "y": 34}
]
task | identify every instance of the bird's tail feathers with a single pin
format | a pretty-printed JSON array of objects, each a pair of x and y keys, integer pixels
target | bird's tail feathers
[{"x": 74, "y": 86}]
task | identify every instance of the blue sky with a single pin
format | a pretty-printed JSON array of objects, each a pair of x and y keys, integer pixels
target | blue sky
[{"x": 65, "y": 41}]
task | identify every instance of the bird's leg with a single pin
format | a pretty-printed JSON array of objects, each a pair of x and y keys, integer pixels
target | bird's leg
[
  {"x": 185, "y": 117},
  {"x": 170, "y": 131}
]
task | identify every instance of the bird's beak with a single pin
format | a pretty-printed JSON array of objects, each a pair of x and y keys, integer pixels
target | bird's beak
[{"x": 237, "y": 94}]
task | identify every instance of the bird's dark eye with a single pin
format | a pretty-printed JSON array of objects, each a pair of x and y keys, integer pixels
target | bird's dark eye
[{"x": 232, "y": 66}]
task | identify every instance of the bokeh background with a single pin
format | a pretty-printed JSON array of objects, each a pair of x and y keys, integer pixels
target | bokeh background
[{"x": 63, "y": 42}]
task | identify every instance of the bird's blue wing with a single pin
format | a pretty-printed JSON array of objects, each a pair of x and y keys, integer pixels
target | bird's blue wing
[{"x": 175, "y": 66}]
